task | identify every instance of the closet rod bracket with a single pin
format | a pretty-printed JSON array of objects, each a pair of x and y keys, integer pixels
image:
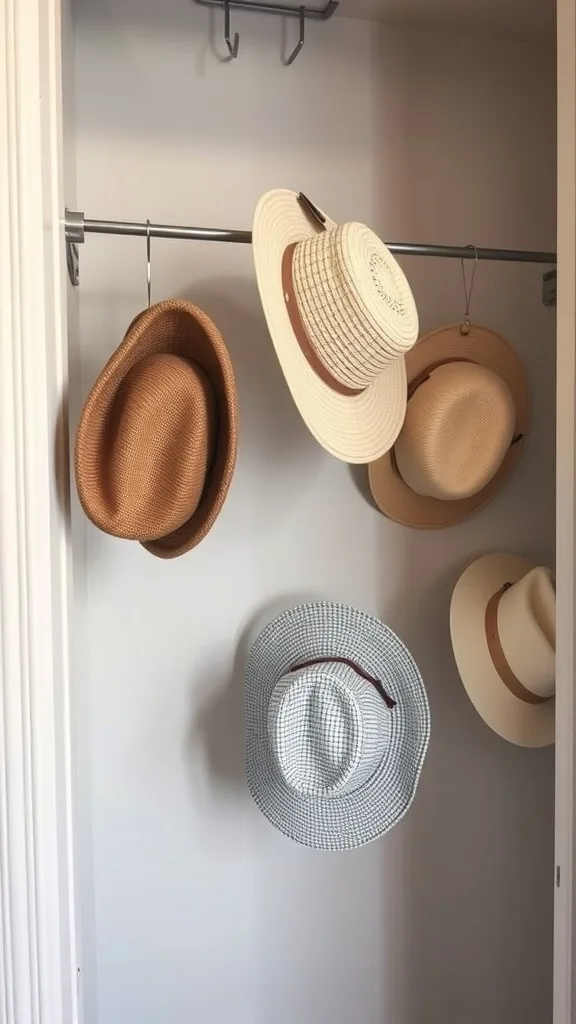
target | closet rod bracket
[
  {"x": 549, "y": 288},
  {"x": 74, "y": 224}
]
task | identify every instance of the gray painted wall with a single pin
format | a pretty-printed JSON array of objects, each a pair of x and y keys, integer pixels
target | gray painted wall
[{"x": 194, "y": 909}]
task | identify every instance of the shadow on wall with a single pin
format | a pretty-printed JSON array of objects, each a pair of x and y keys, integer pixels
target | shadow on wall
[
  {"x": 475, "y": 925},
  {"x": 214, "y": 728},
  {"x": 477, "y": 860},
  {"x": 475, "y": 857},
  {"x": 271, "y": 433}
]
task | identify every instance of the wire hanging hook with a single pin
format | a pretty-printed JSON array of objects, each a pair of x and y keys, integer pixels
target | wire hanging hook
[
  {"x": 466, "y": 325},
  {"x": 148, "y": 264},
  {"x": 300, "y": 43},
  {"x": 232, "y": 44}
]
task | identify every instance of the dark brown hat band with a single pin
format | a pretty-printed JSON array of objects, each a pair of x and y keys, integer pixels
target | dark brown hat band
[
  {"x": 300, "y": 332},
  {"x": 497, "y": 653},
  {"x": 388, "y": 700}
]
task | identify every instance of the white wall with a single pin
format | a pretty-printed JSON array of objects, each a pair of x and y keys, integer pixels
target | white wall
[{"x": 194, "y": 908}]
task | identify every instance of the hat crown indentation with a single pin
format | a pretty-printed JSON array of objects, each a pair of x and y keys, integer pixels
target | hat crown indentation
[
  {"x": 527, "y": 630},
  {"x": 328, "y": 729}
]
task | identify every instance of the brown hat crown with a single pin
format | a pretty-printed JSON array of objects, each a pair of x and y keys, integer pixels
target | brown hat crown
[
  {"x": 156, "y": 442},
  {"x": 158, "y": 448}
]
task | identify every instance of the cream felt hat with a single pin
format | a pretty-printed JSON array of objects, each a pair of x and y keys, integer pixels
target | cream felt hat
[
  {"x": 503, "y": 627},
  {"x": 466, "y": 420},
  {"x": 341, "y": 317}
]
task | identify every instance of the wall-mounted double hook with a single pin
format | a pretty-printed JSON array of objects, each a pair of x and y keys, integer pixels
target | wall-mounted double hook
[
  {"x": 267, "y": 7},
  {"x": 232, "y": 44}
]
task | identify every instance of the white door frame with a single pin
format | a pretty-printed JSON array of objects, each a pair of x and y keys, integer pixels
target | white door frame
[
  {"x": 38, "y": 959},
  {"x": 564, "y": 906}
]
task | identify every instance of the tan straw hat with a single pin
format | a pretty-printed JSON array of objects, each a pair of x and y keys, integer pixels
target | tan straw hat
[
  {"x": 341, "y": 316},
  {"x": 503, "y": 626},
  {"x": 466, "y": 420},
  {"x": 156, "y": 442}
]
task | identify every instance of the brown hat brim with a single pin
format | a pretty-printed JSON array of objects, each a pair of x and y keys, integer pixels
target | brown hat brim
[
  {"x": 483, "y": 346},
  {"x": 180, "y": 328}
]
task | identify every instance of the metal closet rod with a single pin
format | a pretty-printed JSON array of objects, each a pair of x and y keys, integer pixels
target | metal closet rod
[{"x": 77, "y": 226}]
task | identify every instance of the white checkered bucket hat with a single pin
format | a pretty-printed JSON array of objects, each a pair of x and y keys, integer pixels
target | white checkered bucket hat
[{"x": 337, "y": 726}]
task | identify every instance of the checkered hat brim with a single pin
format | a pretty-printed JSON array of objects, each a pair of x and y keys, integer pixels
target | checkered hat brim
[{"x": 318, "y": 630}]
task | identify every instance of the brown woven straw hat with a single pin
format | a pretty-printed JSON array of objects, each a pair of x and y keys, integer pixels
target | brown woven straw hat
[
  {"x": 156, "y": 443},
  {"x": 465, "y": 425},
  {"x": 341, "y": 316}
]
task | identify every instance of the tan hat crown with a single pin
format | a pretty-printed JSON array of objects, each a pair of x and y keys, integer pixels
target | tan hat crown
[
  {"x": 527, "y": 631},
  {"x": 458, "y": 429},
  {"x": 354, "y": 302}
]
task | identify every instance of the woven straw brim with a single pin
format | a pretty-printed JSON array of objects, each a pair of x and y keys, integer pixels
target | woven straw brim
[
  {"x": 177, "y": 327},
  {"x": 392, "y": 496},
  {"x": 356, "y": 428},
  {"x": 528, "y": 725},
  {"x": 320, "y": 630}
]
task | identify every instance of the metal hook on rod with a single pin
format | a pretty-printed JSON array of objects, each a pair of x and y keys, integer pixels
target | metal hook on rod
[
  {"x": 148, "y": 263},
  {"x": 300, "y": 43},
  {"x": 232, "y": 44},
  {"x": 466, "y": 325}
]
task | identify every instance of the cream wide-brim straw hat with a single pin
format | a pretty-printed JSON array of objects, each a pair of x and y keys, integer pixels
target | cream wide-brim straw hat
[
  {"x": 359, "y": 313},
  {"x": 466, "y": 422},
  {"x": 526, "y": 623}
]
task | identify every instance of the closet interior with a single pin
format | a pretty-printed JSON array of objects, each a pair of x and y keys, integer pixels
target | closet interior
[{"x": 435, "y": 124}]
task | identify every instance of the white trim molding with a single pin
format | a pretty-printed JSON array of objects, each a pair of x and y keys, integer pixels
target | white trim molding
[
  {"x": 38, "y": 961},
  {"x": 564, "y": 907}
]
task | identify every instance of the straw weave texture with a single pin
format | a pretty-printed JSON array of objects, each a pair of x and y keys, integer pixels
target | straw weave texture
[
  {"x": 354, "y": 428},
  {"x": 156, "y": 443},
  {"x": 459, "y": 426},
  {"x": 453, "y": 445},
  {"x": 354, "y": 301}
]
